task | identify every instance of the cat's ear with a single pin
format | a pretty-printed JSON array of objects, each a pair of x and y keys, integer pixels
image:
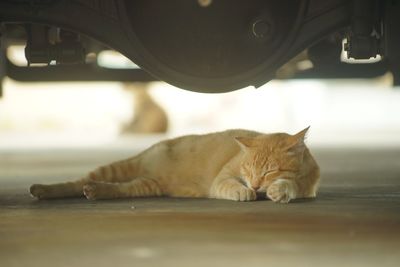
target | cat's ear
[
  {"x": 244, "y": 142},
  {"x": 296, "y": 142},
  {"x": 302, "y": 135}
]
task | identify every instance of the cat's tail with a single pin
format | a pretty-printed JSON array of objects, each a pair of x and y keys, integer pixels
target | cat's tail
[{"x": 116, "y": 172}]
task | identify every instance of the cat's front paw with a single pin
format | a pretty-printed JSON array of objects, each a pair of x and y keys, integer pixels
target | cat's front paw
[
  {"x": 90, "y": 191},
  {"x": 243, "y": 194},
  {"x": 282, "y": 191}
]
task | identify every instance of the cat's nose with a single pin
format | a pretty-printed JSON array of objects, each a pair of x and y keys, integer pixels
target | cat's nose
[{"x": 255, "y": 188}]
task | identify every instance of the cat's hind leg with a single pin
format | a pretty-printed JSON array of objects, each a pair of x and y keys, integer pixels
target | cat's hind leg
[
  {"x": 139, "y": 187},
  {"x": 60, "y": 190},
  {"x": 121, "y": 171},
  {"x": 116, "y": 172}
]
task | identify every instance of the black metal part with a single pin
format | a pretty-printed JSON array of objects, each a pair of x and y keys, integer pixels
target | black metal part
[
  {"x": 210, "y": 49},
  {"x": 37, "y": 47},
  {"x": 392, "y": 38},
  {"x": 363, "y": 41},
  {"x": 262, "y": 28},
  {"x": 242, "y": 60},
  {"x": 327, "y": 51},
  {"x": 66, "y": 50},
  {"x": 218, "y": 47},
  {"x": 223, "y": 53}
]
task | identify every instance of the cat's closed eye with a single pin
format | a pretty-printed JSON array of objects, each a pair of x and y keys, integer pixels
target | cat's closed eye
[
  {"x": 269, "y": 172},
  {"x": 288, "y": 170}
]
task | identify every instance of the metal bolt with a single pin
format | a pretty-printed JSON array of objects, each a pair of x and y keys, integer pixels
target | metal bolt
[{"x": 261, "y": 28}]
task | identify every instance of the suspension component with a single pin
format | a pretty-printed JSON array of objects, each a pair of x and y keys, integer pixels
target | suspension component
[
  {"x": 364, "y": 38},
  {"x": 46, "y": 44}
]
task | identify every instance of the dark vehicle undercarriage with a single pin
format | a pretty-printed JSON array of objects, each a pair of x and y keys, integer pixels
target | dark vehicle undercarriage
[{"x": 206, "y": 46}]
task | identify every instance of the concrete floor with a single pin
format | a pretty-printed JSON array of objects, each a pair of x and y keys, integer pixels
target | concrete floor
[{"x": 355, "y": 221}]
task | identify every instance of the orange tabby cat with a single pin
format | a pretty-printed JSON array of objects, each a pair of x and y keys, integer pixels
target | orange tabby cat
[{"x": 234, "y": 164}]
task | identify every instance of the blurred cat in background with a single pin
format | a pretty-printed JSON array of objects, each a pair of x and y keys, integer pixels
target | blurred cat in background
[{"x": 149, "y": 116}]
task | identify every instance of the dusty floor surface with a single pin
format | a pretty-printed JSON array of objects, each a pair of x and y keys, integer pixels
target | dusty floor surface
[{"x": 355, "y": 221}]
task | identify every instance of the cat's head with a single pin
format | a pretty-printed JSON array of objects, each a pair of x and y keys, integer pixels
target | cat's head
[{"x": 271, "y": 156}]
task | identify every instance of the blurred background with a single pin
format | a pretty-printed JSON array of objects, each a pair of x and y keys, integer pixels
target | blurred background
[{"x": 92, "y": 114}]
